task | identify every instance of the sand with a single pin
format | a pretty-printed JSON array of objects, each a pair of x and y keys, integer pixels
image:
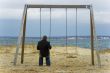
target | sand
[{"x": 62, "y": 61}]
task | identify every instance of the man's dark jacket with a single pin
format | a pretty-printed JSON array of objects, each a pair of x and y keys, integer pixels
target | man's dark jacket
[{"x": 44, "y": 47}]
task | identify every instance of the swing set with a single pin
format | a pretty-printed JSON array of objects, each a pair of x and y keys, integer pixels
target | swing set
[{"x": 93, "y": 37}]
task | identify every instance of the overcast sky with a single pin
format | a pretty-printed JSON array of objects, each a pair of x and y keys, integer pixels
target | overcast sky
[{"x": 11, "y": 13}]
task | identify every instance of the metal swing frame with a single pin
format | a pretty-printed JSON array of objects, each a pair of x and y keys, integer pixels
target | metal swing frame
[{"x": 21, "y": 38}]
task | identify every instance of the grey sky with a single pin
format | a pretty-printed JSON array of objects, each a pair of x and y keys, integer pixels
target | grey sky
[{"x": 12, "y": 9}]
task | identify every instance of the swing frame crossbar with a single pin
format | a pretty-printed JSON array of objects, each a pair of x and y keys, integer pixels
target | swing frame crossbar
[
  {"x": 21, "y": 38},
  {"x": 57, "y": 6}
]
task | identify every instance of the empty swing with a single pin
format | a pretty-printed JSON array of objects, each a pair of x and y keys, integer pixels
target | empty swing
[{"x": 76, "y": 38}]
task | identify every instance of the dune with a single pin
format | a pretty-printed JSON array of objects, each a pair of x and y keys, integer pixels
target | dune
[{"x": 62, "y": 61}]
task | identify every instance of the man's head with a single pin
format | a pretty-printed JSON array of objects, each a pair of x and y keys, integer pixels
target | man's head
[{"x": 44, "y": 37}]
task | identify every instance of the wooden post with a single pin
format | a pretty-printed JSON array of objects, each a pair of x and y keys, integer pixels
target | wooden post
[
  {"x": 19, "y": 38},
  {"x": 23, "y": 37},
  {"x": 92, "y": 34}
]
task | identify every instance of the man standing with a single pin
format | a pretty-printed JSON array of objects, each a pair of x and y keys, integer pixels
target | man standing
[{"x": 44, "y": 48}]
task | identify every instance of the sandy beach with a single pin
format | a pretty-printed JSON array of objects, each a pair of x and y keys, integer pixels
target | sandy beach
[{"x": 71, "y": 61}]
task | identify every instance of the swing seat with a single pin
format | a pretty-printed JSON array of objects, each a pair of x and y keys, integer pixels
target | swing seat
[{"x": 71, "y": 56}]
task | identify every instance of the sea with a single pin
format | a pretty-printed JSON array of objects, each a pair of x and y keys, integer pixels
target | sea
[{"x": 103, "y": 42}]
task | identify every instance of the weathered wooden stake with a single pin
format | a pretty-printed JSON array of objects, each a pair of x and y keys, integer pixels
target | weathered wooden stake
[
  {"x": 92, "y": 34},
  {"x": 23, "y": 38}
]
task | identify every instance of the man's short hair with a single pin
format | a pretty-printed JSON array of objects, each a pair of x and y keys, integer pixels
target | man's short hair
[{"x": 44, "y": 37}]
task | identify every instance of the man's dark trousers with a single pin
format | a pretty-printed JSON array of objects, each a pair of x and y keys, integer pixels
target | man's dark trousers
[{"x": 47, "y": 60}]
